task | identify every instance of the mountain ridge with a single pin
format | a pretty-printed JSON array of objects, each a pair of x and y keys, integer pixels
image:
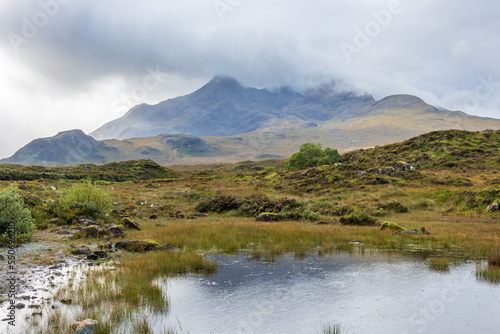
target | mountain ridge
[{"x": 224, "y": 121}]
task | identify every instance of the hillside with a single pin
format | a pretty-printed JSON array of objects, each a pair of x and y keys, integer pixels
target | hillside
[
  {"x": 68, "y": 147},
  {"x": 225, "y": 122},
  {"x": 223, "y": 107}
]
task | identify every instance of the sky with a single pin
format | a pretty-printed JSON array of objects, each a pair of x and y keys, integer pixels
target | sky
[{"x": 77, "y": 64}]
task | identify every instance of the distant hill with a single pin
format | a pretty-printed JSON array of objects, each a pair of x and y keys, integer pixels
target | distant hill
[
  {"x": 68, "y": 147},
  {"x": 226, "y": 122}
]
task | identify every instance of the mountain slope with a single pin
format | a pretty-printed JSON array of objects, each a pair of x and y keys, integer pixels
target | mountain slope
[
  {"x": 223, "y": 108},
  {"x": 67, "y": 147}
]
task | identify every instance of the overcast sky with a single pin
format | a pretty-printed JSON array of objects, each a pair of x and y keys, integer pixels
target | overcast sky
[{"x": 67, "y": 64}]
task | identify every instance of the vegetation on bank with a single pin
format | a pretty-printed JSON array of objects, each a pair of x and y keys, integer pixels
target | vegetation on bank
[
  {"x": 15, "y": 218},
  {"x": 325, "y": 209}
]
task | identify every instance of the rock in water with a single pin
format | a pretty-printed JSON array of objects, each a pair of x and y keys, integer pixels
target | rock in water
[{"x": 87, "y": 326}]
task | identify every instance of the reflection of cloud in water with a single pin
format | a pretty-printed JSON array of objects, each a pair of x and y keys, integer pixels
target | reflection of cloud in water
[{"x": 379, "y": 293}]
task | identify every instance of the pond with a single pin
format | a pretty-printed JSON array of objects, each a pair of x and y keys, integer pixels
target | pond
[{"x": 370, "y": 293}]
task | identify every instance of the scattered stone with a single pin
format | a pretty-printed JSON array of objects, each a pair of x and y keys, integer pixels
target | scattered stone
[
  {"x": 93, "y": 231},
  {"x": 177, "y": 214},
  {"x": 391, "y": 226},
  {"x": 107, "y": 245},
  {"x": 101, "y": 254},
  {"x": 87, "y": 326},
  {"x": 493, "y": 207},
  {"x": 2, "y": 258},
  {"x": 87, "y": 222},
  {"x": 67, "y": 231},
  {"x": 56, "y": 306},
  {"x": 118, "y": 213},
  {"x": 37, "y": 306},
  {"x": 115, "y": 231},
  {"x": 404, "y": 166},
  {"x": 200, "y": 215},
  {"x": 130, "y": 224},
  {"x": 269, "y": 217},
  {"x": 153, "y": 217},
  {"x": 20, "y": 305},
  {"x": 389, "y": 169},
  {"x": 92, "y": 257},
  {"x": 424, "y": 230},
  {"x": 57, "y": 266},
  {"x": 82, "y": 251}
]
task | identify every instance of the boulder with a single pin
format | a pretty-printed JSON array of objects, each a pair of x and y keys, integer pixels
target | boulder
[
  {"x": 401, "y": 165},
  {"x": 130, "y": 224},
  {"x": 153, "y": 217},
  {"x": 67, "y": 231},
  {"x": 269, "y": 217},
  {"x": 93, "y": 231},
  {"x": 87, "y": 326},
  {"x": 101, "y": 254},
  {"x": 138, "y": 245},
  {"x": 82, "y": 251},
  {"x": 391, "y": 226},
  {"x": 87, "y": 222},
  {"x": 493, "y": 207},
  {"x": 118, "y": 213},
  {"x": 115, "y": 230},
  {"x": 92, "y": 257}
]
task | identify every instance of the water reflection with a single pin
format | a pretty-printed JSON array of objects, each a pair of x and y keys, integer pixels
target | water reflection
[{"x": 376, "y": 293}]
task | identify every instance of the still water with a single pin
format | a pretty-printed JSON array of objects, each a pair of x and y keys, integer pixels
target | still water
[{"x": 375, "y": 293}]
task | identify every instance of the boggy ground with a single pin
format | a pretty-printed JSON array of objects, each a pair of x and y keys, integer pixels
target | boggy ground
[{"x": 455, "y": 177}]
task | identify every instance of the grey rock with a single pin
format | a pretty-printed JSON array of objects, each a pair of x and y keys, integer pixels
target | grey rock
[
  {"x": 82, "y": 251},
  {"x": 92, "y": 257},
  {"x": 87, "y": 326}
]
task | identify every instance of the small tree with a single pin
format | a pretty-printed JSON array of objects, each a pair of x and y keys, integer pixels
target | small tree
[
  {"x": 311, "y": 155},
  {"x": 13, "y": 210}
]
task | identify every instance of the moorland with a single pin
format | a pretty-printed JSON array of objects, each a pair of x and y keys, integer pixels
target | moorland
[{"x": 436, "y": 194}]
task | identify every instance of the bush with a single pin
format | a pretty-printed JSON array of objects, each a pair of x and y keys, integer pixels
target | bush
[
  {"x": 84, "y": 199},
  {"x": 358, "y": 218},
  {"x": 311, "y": 155},
  {"x": 13, "y": 209},
  {"x": 394, "y": 207},
  {"x": 288, "y": 208}
]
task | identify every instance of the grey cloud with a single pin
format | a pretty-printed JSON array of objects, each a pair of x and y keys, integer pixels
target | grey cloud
[{"x": 437, "y": 49}]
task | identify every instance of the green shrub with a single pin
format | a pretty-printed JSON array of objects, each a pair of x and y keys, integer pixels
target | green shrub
[
  {"x": 269, "y": 170},
  {"x": 311, "y": 155},
  {"x": 358, "y": 217},
  {"x": 13, "y": 209},
  {"x": 84, "y": 199}
]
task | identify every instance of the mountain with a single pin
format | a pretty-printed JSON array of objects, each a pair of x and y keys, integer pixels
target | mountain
[
  {"x": 224, "y": 121},
  {"x": 223, "y": 107},
  {"x": 67, "y": 147}
]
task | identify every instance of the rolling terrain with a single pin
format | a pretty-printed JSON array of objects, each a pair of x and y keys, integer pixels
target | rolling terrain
[{"x": 226, "y": 122}]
